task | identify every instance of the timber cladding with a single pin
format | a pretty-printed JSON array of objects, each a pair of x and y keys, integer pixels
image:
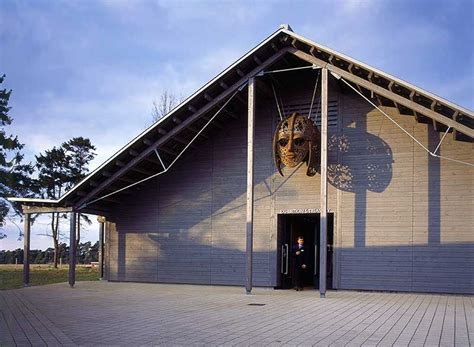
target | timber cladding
[{"x": 403, "y": 219}]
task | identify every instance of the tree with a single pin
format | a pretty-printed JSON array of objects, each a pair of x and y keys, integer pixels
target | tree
[
  {"x": 167, "y": 102},
  {"x": 79, "y": 152},
  {"x": 59, "y": 169},
  {"x": 14, "y": 174}
]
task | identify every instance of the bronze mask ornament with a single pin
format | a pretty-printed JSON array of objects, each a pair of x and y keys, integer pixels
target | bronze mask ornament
[{"x": 297, "y": 139}]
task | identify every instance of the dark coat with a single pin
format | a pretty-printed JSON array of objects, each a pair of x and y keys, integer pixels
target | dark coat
[{"x": 300, "y": 259}]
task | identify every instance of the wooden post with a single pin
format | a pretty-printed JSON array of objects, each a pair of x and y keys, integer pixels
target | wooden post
[
  {"x": 78, "y": 231},
  {"x": 72, "y": 250},
  {"x": 26, "y": 249},
  {"x": 324, "y": 183},
  {"x": 101, "y": 220},
  {"x": 249, "y": 225}
]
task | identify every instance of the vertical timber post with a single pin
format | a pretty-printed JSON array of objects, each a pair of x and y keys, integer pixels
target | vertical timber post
[
  {"x": 72, "y": 250},
  {"x": 249, "y": 225},
  {"x": 26, "y": 249},
  {"x": 324, "y": 184},
  {"x": 101, "y": 221}
]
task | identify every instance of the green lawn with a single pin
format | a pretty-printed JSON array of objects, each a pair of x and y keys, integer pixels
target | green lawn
[{"x": 11, "y": 276}]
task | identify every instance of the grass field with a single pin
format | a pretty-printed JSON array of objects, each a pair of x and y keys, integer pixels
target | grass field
[{"x": 11, "y": 276}]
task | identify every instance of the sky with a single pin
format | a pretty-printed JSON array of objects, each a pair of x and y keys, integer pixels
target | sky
[{"x": 93, "y": 68}]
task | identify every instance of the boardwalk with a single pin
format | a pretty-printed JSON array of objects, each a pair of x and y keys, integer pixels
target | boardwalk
[{"x": 156, "y": 314}]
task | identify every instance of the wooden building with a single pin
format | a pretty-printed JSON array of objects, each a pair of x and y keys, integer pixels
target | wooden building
[{"x": 196, "y": 198}]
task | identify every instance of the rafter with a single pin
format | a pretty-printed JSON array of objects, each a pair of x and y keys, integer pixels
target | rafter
[
  {"x": 209, "y": 106},
  {"x": 384, "y": 92}
]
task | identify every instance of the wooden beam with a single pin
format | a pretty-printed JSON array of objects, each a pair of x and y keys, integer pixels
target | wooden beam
[
  {"x": 72, "y": 249},
  {"x": 439, "y": 127},
  {"x": 369, "y": 77},
  {"x": 324, "y": 184},
  {"x": 26, "y": 249},
  {"x": 185, "y": 124},
  {"x": 180, "y": 140},
  {"x": 215, "y": 123},
  {"x": 250, "y": 189},
  {"x": 167, "y": 150},
  {"x": 142, "y": 171},
  {"x": 101, "y": 221},
  {"x": 97, "y": 211},
  {"x": 148, "y": 142},
  {"x": 162, "y": 131},
  {"x": 240, "y": 72},
  {"x": 192, "y": 108},
  {"x": 422, "y": 119},
  {"x": 125, "y": 179},
  {"x": 148, "y": 159},
  {"x": 456, "y": 134},
  {"x": 257, "y": 60},
  {"x": 193, "y": 129},
  {"x": 177, "y": 120},
  {"x": 223, "y": 85},
  {"x": 120, "y": 163},
  {"x": 384, "y": 92},
  {"x": 42, "y": 209},
  {"x": 208, "y": 97}
]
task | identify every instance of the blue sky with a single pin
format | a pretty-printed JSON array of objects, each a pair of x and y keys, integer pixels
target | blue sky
[{"x": 93, "y": 68}]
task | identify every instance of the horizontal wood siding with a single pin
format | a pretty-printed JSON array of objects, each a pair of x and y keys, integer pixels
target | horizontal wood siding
[
  {"x": 403, "y": 218},
  {"x": 184, "y": 223},
  {"x": 406, "y": 216},
  {"x": 228, "y": 205},
  {"x": 191, "y": 222}
]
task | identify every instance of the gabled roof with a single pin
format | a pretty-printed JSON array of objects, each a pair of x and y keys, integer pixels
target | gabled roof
[{"x": 283, "y": 48}]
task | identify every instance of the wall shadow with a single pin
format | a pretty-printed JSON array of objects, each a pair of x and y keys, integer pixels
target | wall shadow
[
  {"x": 434, "y": 189},
  {"x": 122, "y": 255},
  {"x": 211, "y": 181},
  {"x": 366, "y": 166},
  {"x": 180, "y": 249},
  {"x": 387, "y": 268}
]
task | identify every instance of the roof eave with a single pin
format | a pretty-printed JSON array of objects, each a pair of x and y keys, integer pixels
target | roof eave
[
  {"x": 379, "y": 72},
  {"x": 170, "y": 114}
]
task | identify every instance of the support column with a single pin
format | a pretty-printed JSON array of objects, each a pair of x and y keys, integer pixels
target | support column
[
  {"x": 324, "y": 184},
  {"x": 72, "y": 249},
  {"x": 26, "y": 249},
  {"x": 250, "y": 138},
  {"x": 101, "y": 221}
]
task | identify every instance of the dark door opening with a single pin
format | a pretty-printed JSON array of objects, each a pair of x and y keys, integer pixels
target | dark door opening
[{"x": 290, "y": 227}]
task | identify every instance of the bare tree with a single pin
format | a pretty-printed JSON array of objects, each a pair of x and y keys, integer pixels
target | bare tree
[{"x": 167, "y": 102}]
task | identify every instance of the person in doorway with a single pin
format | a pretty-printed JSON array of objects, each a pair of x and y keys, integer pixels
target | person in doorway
[{"x": 299, "y": 262}]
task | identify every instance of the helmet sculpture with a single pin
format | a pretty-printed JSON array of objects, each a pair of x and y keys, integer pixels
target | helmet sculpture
[{"x": 297, "y": 139}]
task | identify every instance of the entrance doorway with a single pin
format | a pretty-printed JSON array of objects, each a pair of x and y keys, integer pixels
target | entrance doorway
[{"x": 290, "y": 227}]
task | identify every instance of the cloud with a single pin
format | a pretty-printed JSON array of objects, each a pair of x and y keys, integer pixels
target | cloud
[
  {"x": 95, "y": 70},
  {"x": 353, "y": 6},
  {"x": 109, "y": 107},
  {"x": 222, "y": 13}
]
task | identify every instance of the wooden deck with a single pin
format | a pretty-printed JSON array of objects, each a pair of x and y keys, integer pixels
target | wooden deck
[{"x": 155, "y": 314}]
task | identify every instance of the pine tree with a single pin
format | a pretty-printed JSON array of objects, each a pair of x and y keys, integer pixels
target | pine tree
[
  {"x": 14, "y": 174},
  {"x": 59, "y": 169}
]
